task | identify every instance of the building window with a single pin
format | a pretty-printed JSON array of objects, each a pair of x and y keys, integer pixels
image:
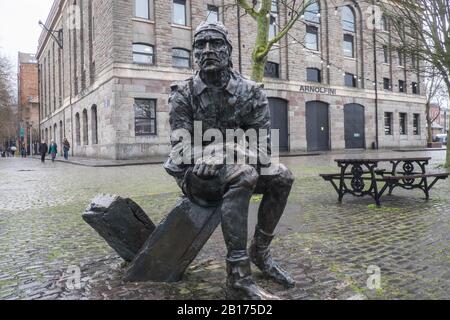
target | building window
[
  {"x": 312, "y": 38},
  {"x": 384, "y": 24},
  {"x": 416, "y": 124},
  {"x": 181, "y": 58},
  {"x": 145, "y": 117},
  {"x": 143, "y": 53},
  {"x": 77, "y": 129},
  {"x": 312, "y": 12},
  {"x": 85, "y": 128},
  {"x": 386, "y": 54},
  {"x": 400, "y": 58},
  {"x": 402, "y": 118},
  {"x": 348, "y": 46},
  {"x": 313, "y": 75},
  {"x": 387, "y": 84},
  {"x": 94, "y": 124},
  {"x": 179, "y": 12},
  {"x": 401, "y": 86},
  {"x": 274, "y": 7},
  {"x": 348, "y": 19},
  {"x": 272, "y": 27},
  {"x": 142, "y": 9},
  {"x": 413, "y": 61},
  {"x": 272, "y": 70},
  {"x": 415, "y": 88},
  {"x": 350, "y": 80},
  {"x": 388, "y": 123},
  {"x": 212, "y": 13}
]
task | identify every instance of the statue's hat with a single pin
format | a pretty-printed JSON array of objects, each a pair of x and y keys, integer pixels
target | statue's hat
[{"x": 213, "y": 26}]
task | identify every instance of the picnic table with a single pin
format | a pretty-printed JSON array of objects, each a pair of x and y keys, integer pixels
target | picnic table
[{"x": 361, "y": 177}]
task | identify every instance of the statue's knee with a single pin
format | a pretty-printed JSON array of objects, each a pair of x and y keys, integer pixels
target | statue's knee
[
  {"x": 285, "y": 176},
  {"x": 248, "y": 177}
]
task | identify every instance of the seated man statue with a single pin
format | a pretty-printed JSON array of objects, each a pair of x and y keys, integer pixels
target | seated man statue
[{"x": 220, "y": 98}]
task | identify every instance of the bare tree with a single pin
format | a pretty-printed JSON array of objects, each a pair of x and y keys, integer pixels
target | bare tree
[
  {"x": 8, "y": 120},
  {"x": 263, "y": 14},
  {"x": 423, "y": 30},
  {"x": 436, "y": 93}
]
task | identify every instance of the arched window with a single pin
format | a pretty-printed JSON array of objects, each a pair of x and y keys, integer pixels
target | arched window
[
  {"x": 143, "y": 53},
  {"x": 85, "y": 128},
  {"x": 50, "y": 134},
  {"x": 181, "y": 58},
  {"x": 94, "y": 125},
  {"x": 77, "y": 129},
  {"x": 312, "y": 12},
  {"x": 55, "y": 132},
  {"x": 348, "y": 19},
  {"x": 46, "y": 135}
]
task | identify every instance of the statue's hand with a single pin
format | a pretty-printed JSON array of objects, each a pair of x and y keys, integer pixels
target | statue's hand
[{"x": 206, "y": 169}]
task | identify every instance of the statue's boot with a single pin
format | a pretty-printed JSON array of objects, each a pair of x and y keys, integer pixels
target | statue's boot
[
  {"x": 240, "y": 284},
  {"x": 261, "y": 257}
]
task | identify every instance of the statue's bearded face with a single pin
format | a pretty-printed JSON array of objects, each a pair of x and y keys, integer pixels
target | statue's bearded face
[{"x": 211, "y": 51}]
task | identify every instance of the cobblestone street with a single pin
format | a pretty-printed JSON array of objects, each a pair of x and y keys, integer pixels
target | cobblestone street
[{"x": 327, "y": 246}]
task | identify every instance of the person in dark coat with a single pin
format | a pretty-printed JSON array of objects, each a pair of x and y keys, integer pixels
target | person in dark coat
[{"x": 43, "y": 149}]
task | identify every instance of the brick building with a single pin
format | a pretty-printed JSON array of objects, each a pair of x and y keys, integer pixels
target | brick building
[
  {"x": 28, "y": 99},
  {"x": 440, "y": 116},
  {"x": 106, "y": 87}
]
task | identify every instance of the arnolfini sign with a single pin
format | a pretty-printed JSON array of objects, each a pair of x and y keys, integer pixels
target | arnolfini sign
[{"x": 315, "y": 89}]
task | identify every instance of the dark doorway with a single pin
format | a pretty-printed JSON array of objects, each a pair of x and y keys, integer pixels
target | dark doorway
[
  {"x": 354, "y": 126},
  {"x": 279, "y": 120},
  {"x": 317, "y": 126}
]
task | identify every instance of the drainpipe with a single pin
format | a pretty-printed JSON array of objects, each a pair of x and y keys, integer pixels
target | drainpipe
[
  {"x": 70, "y": 94},
  {"x": 376, "y": 74},
  {"x": 239, "y": 37}
]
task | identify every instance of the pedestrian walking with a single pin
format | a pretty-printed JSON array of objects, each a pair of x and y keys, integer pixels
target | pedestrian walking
[
  {"x": 53, "y": 150},
  {"x": 66, "y": 148},
  {"x": 43, "y": 149},
  {"x": 13, "y": 151}
]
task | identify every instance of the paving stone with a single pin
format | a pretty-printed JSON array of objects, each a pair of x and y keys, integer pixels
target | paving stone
[{"x": 326, "y": 246}]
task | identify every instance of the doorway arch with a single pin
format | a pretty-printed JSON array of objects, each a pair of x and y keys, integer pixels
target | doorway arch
[
  {"x": 279, "y": 120},
  {"x": 317, "y": 126},
  {"x": 354, "y": 123}
]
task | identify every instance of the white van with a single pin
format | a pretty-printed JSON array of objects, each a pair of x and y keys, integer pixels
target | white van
[{"x": 441, "y": 138}]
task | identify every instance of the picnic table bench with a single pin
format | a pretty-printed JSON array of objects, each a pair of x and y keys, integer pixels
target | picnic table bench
[{"x": 360, "y": 177}]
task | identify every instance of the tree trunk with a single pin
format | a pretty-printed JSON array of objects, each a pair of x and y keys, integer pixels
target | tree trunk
[
  {"x": 429, "y": 124},
  {"x": 447, "y": 161},
  {"x": 258, "y": 58}
]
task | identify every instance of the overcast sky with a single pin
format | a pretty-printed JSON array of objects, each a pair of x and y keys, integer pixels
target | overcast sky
[{"x": 19, "y": 29}]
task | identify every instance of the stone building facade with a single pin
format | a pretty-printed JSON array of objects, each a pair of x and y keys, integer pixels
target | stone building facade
[
  {"x": 105, "y": 75},
  {"x": 28, "y": 100}
]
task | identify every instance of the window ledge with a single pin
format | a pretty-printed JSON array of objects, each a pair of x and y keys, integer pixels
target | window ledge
[
  {"x": 143, "y": 20},
  {"x": 311, "y": 50},
  {"x": 180, "y": 26},
  {"x": 144, "y": 64},
  {"x": 350, "y": 58}
]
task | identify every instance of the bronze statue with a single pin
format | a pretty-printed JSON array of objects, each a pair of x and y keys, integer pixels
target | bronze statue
[{"x": 222, "y": 99}]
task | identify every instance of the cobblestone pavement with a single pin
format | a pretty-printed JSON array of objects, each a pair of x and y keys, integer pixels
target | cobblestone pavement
[{"x": 326, "y": 246}]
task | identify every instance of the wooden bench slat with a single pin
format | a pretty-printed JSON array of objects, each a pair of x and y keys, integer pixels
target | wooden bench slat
[{"x": 417, "y": 176}]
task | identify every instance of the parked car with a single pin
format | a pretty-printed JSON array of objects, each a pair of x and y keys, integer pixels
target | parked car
[{"x": 441, "y": 138}]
